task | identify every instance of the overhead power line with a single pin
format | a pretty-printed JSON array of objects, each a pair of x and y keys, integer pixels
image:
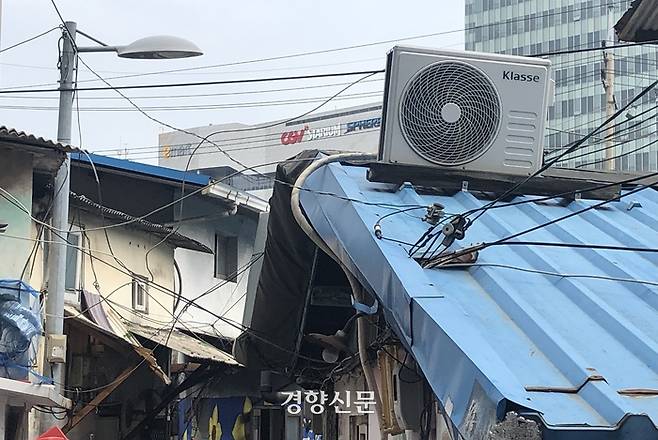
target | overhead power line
[
  {"x": 338, "y": 49},
  {"x": 272, "y": 140},
  {"x": 350, "y": 47},
  {"x": 591, "y": 49},
  {"x": 558, "y": 274},
  {"x": 20, "y": 43},
  {"x": 203, "y": 83},
  {"x": 209, "y": 149},
  {"x": 24, "y": 89},
  {"x": 229, "y": 105},
  {"x": 199, "y": 95},
  {"x": 619, "y": 156},
  {"x": 507, "y": 240}
]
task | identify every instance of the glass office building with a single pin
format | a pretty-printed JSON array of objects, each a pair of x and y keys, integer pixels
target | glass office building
[{"x": 530, "y": 27}]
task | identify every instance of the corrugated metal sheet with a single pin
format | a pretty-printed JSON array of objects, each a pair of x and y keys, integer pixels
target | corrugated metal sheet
[
  {"x": 13, "y": 135},
  {"x": 170, "y": 176},
  {"x": 47, "y": 155},
  {"x": 640, "y": 22},
  {"x": 578, "y": 353},
  {"x": 116, "y": 330},
  {"x": 146, "y": 170},
  {"x": 188, "y": 345},
  {"x": 172, "y": 237}
]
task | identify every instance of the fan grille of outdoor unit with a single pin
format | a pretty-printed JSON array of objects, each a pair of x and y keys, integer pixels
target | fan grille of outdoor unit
[{"x": 450, "y": 113}]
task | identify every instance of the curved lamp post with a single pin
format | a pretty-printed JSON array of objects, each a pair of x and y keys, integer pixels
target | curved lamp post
[{"x": 157, "y": 47}]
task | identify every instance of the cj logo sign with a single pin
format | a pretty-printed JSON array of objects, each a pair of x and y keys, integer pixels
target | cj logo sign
[{"x": 293, "y": 137}]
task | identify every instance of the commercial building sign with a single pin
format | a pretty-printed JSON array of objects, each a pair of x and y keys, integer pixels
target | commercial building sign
[
  {"x": 363, "y": 124},
  {"x": 169, "y": 151},
  {"x": 324, "y": 132},
  {"x": 293, "y": 137},
  {"x": 312, "y": 134}
]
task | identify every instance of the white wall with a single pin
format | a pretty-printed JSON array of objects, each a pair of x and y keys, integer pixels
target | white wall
[
  {"x": 130, "y": 246},
  {"x": 197, "y": 271}
]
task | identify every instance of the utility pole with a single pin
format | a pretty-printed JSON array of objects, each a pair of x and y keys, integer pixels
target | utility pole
[
  {"x": 157, "y": 47},
  {"x": 609, "y": 85},
  {"x": 60, "y": 210}
]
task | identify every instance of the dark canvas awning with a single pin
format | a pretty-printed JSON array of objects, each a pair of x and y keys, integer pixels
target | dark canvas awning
[{"x": 281, "y": 294}]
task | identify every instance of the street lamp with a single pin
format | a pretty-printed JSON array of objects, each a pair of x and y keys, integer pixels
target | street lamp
[
  {"x": 158, "y": 47},
  {"x": 161, "y": 47}
]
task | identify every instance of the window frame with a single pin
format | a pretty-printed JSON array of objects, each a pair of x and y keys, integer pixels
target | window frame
[
  {"x": 139, "y": 282},
  {"x": 72, "y": 294},
  {"x": 226, "y": 256}
]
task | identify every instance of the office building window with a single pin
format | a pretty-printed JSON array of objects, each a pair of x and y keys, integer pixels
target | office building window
[{"x": 226, "y": 257}]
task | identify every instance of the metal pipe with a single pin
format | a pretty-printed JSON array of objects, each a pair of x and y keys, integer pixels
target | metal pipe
[
  {"x": 92, "y": 49},
  {"x": 354, "y": 283}
]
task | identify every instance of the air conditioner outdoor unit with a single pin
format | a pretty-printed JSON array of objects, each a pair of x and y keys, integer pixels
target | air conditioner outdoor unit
[{"x": 465, "y": 110}]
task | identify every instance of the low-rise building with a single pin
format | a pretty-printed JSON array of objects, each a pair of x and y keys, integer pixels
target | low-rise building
[
  {"x": 135, "y": 279},
  {"x": 29, "y": 164},
  {"x": 145, "y": 319}
]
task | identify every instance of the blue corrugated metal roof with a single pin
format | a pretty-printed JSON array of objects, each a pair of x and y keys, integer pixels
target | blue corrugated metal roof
[
  {"x": 152, "y": 171},
  {"x": 574, "y": 351}
]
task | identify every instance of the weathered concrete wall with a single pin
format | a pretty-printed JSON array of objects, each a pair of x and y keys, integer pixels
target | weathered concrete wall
[
  {"x": 16, "y": 178},
  {"x": 197, "y": 270},
  {"x": 130, "y": 246}
]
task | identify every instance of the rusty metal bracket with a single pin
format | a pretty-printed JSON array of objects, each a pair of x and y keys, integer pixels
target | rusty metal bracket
[
  {"x": 634, "y": 392},
  {"x": 595, "y": 377}
]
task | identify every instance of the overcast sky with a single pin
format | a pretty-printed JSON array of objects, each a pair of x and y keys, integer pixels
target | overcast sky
[{"x": 227, "y": 32}]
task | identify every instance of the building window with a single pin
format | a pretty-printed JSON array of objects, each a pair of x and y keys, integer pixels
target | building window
[
  {"x": 140, "y": 293},
  {"x": 226, "y": 256},
  {"x": 72, "y": 275}
]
